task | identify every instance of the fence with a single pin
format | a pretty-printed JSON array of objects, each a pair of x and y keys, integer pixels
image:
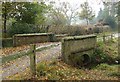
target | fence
[{"x": 106, "y": 37}]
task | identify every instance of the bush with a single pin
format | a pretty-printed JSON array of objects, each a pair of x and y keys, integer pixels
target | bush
[
  {"x": 41, "y": 69},
  {"x": 96, "y": 30},
  {"x": 70, "y": 30},
  {"x": 18, "y": 28},
  {"x": 78, "y": 30},
  {"x": 100, "y": 29},
  {"x": 100, "y": 56},
  {"x": 106, "y": 52},
  {"x": 21, "y": 28},
  {"x": 7, "y": 42}
]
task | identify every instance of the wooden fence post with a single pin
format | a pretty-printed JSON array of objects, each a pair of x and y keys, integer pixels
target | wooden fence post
[
  {"x": 14, "y": 41},
  {"x": 33, "y": 60}
]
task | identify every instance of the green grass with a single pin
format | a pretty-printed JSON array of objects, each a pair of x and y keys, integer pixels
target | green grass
[
  {"x": 114, "y": 74},
  {"x": 111, "y": 70}
]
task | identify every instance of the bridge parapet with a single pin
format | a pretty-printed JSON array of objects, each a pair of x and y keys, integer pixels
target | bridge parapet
[{"x": 23, "y": 39}]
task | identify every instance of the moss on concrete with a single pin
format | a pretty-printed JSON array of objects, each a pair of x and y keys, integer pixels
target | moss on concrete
[{"x": 75, "y": 47}]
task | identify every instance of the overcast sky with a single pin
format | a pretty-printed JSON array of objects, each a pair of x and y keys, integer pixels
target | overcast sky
[{"x": 95, "y": 4}]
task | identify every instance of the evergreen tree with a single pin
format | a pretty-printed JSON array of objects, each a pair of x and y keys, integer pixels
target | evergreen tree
[{"x": 87, "y": 12}]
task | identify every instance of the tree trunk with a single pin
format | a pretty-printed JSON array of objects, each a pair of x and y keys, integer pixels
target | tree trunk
[
  {"x": 4, "y": 24},
  {"x": 5, "y": 20}
]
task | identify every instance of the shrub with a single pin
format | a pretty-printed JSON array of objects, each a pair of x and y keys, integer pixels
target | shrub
[
  {"x": 100, "y": 56},
  {"x": 21, "y": 28},
  {"x": 7, "y": 42},
  {"x": 18, "y": 28},
  {"x": 100, "y": 29},
  {"x": 77, "y": 30},
  {"x": 70, "y": 30},
  {"x": 96, "y": 30},
  {"x": 41, "y": 69}
]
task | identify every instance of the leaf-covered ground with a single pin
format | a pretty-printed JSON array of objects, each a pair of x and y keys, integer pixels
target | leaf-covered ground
[
  {"x": 10, "y": 50},
  {"x": 58, "y": 70}
]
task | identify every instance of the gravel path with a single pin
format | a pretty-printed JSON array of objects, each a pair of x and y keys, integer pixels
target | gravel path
[{"x": 21, "y": 63}]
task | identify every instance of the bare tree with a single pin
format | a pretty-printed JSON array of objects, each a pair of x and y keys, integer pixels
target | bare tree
[{"x": 63, "y": 12}]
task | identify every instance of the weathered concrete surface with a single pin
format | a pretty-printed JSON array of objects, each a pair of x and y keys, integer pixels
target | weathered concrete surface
[
  {"x": 77, "y": 50},
  {"x": 22, "y": 39}
]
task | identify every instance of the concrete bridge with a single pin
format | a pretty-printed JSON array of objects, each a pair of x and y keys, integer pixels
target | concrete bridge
[{"x": 77, "y": 50}]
